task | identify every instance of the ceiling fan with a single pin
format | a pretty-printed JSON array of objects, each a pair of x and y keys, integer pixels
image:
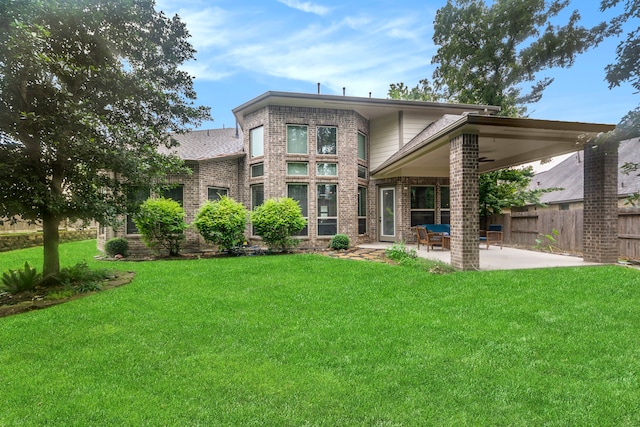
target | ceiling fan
[{"x": 484, "y": 159}]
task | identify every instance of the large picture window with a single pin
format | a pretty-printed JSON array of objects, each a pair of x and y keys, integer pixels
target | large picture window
[
  {"x": 423, "y": 203},
  {"x": 300, "y": 193},
  {"x": 327, "y": 140},
  {"x": 256, "y": 137},
  {"x": 327, "y": 209},
  {"x": 362, "y": 210},
  {"x": 297, "y": 142}
]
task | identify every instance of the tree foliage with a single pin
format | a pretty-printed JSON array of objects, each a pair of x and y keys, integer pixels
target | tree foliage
[
  {"x": 222, "y": 223},
  {"x": 86, "y": 87},
  {"x": 161, "y": 224},
  {"x": 506, "y": 188},
  {"x": 487, "y": 53},
  {"x": 276, "y": 221}
]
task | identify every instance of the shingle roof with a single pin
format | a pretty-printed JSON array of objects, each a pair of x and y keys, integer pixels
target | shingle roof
[
  {"x": 569, "y": 175},
  {"x": 208, "y": 144}
]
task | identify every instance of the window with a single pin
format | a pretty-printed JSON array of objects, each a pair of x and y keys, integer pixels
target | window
[
  {"x": 256, "y": 137},
  {"x": 327, "y": 169},
  {"x": 257, "y": 170},
  {"x": 297, "y": 139},
  {"x": 362, "y": 172},
  {"x": 257, "y": 198},
  {"x": 299, "y": 193},
  {"x": 445, "y": 207},
  {"x": 423, "y": 202},
  {"x": 564, "y": 206},
  {"x": 141, "y": 196},
  {"x": 362, "y": 210},
  {"x": 175, "y": 193},
  {"x": 327, "y": 141},
  {"x": 327, "y": 209},
  {"x": 298, "y": 168},
  {"x": 216, "y": 193},
  {"x": 362, "y": 146}
]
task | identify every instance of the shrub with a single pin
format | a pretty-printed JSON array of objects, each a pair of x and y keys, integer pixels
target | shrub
[
  {"x": 15, "y": 281},
  {"x": 339, "y": 241},
  {"x": 117, "y": 246},
  {"x": 161, "y": 224},
  {"x": 276, "y": 220},
  {"x": 222, "y": 223},
  {"x": 399, "y": 253},
  {"x": 80, "y": 274}
]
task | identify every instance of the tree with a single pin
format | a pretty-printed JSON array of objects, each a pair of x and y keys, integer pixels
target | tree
[
  {"x": 161, "y": 224},
  {"x": 506, "y": 188},
  {"x": 86, "y": 87},
  {"x": 222, "y": 223},
  {"x": 487, "y": 53},
  {"x": 423, "y": 91},
  {"x": 276, "y": 221}
]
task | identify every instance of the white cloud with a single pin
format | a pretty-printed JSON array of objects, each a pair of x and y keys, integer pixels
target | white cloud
[{"x": 306, "y": 6}]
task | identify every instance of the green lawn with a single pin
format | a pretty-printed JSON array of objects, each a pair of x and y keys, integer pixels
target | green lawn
[{"x": 307, "y": 340}]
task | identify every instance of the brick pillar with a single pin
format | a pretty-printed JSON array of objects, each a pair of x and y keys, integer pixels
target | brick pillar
[
  {"x": 600, "y": 223},
  {"x": 463, "y": 171}
]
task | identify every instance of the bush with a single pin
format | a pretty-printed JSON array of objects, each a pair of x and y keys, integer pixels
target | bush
[
  {"x": 276, "y": 220},
  {"x": 81, "y": 274},
  {"x": 15, "y": 281},
  {"x": 222, "y": 223},
  {"x": 339, "y": 241},
  {"x": 399, "y": 253},
  {"x": 161, "y": 224},
  {"x": 117, "y": 246}
]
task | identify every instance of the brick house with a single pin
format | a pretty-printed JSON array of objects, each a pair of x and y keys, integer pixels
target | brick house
[{"x": 365, "y": 167}]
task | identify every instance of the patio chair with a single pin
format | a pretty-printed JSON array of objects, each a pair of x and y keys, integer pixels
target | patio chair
[
  {"x": 494, "y": 235},
  {"x": 429, "y": 239}
]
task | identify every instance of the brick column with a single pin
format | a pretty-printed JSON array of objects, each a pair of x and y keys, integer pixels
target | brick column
[
  {"x": 600, "y": 223},
  {"x": 463, "y": 171}
]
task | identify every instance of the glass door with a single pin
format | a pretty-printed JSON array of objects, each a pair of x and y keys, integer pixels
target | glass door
[{"x": 387, "y": 214}]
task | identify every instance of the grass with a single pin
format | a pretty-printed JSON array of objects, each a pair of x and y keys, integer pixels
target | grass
[{"x": 298, "y": 340}]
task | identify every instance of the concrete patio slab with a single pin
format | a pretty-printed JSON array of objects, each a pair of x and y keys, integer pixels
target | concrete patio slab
[{"x": 495, "y": 258}]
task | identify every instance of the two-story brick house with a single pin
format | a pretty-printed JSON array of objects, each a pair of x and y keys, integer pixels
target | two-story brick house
[{"x": 368, "y": 168}]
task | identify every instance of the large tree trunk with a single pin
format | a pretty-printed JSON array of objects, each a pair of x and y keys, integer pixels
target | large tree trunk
[{"x": 51, "y": 241}]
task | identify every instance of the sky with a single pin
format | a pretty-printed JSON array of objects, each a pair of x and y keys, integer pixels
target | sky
[{"x": 248, "y": 47}]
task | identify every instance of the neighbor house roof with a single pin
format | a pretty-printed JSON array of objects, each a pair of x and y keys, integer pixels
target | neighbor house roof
[
  {"x": 569, "y": 175},
  {"x": 208, "y": 144}
]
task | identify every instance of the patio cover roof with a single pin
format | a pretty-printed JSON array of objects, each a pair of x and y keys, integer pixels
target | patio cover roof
[{"x": 503, "y": 142}]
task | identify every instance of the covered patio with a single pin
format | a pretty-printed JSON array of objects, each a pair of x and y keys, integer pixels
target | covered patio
[
  {"x": 495, "y": 258},
  {"x": 462, "y": 147}
]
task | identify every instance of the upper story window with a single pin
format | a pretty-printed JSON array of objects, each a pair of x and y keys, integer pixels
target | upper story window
[
  {"x": 297, "y": 142},
  {"x": 257, "y": 170},
  {"x": 298, "y": 168},
  {"x": 327, "y": 169},
  {"x": 256, "y": 137},
  {"x": 362, "y": 146},
  {"x": 327, "y": 140}
]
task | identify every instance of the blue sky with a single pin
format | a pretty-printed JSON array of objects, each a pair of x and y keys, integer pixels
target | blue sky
[{"x": 246, "y": 48}]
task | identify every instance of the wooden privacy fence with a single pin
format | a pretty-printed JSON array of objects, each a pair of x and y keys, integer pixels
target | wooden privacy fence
[{"x": 523, "y": 228}]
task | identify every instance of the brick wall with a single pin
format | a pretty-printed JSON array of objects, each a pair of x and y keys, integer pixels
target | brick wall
[
  {"x": 463, "y": 168},
  {"x": 600, "y": 223},
  {"x": 275, "y": 120}
]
